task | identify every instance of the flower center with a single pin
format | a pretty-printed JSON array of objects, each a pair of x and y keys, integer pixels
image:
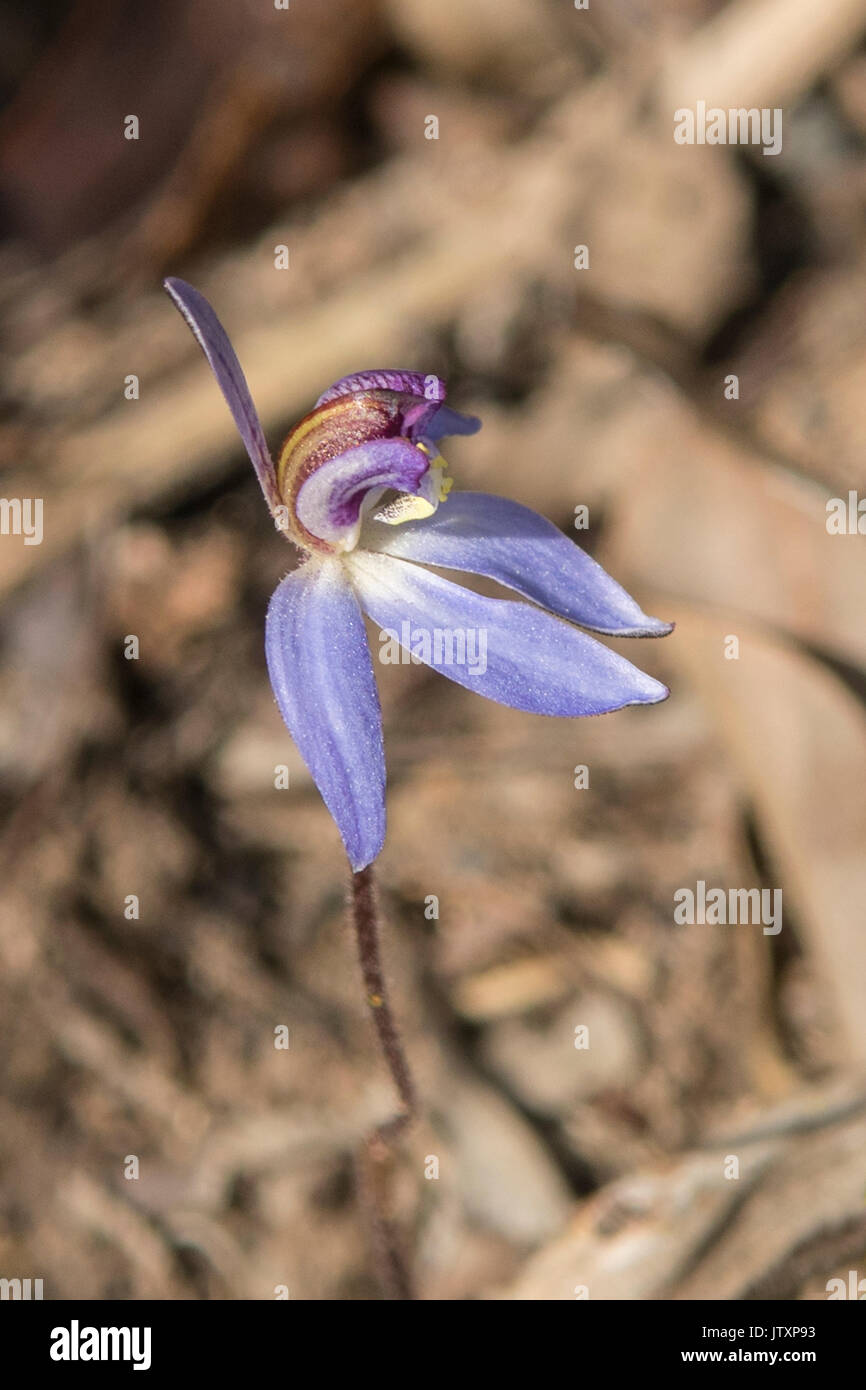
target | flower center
[{"x": 342, "y": 459}]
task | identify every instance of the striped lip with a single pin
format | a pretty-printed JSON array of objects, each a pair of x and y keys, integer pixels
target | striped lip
[{"x": 351, "y": 444}]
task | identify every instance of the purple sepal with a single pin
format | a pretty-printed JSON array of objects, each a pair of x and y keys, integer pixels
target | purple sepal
[
  {"x": 509, "y": 651},
  {"x": 322, "y": 676},
  {"x": 214, "y": 343},
  {"x": 483, "y": 534}
]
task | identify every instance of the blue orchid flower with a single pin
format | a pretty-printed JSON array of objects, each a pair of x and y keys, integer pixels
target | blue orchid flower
[{"x": 360, "y": 487}]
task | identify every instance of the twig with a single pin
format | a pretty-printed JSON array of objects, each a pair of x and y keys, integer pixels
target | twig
[{"x": 761, "y": 52}]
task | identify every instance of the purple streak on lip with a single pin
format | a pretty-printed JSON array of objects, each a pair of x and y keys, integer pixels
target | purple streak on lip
[
  {"x": 329, "y": 501},
  {"x": 214, "y": 343},
  {"x": 421, "y": 395},
  {"x": 424, "y": 415}
]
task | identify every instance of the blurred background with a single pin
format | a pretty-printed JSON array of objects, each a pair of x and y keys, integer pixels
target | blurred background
[{"x": 609, "y": 386}]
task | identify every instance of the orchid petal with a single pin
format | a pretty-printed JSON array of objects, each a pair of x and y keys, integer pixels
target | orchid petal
[
  {"x": 329, "y": 501},
  {"x": 520, "y": 656},
  {"x": 322, "y": 676},
  {"x": 214, "y": 342},
  {"x": 502, "y": 540}
]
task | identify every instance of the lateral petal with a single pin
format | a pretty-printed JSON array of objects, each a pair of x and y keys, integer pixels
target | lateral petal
[
  {"x": 492, "y": 536},
  {"x": 322, "y": 676},
  {"x": 506, "y": 650}
]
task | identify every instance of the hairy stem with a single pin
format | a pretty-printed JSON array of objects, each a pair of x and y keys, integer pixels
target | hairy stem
[
  {"x": 366, "y": 918},
  {"x": 374, "y": 1162}
]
